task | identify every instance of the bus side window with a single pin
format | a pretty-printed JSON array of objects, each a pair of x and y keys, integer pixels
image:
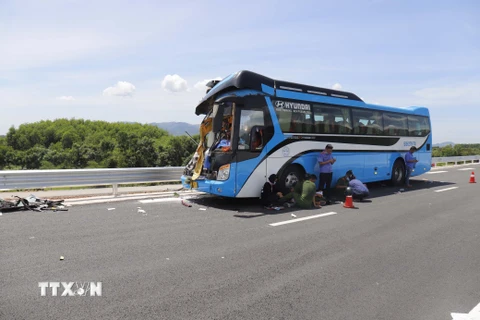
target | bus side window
[
  {"x": 308, "y": 125},
  {"x": 360, "y": 128},
  {"x": 257, "y": 142},
  {"x": 319, "y": 127},
  {"x": 390, "y": 130}
]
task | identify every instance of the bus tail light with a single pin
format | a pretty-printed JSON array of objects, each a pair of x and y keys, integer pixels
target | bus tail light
[{"x": 223, "y": 172}]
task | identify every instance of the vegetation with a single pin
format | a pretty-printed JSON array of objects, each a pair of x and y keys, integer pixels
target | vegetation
[
  {"x": 77, "y": 143},
  {"x": 457, "y": 150}
]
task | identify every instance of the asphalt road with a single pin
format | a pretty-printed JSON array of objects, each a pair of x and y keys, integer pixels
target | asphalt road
[{"x": 409, "y": 255}]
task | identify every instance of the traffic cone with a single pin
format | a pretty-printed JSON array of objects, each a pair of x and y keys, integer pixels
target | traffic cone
[
  {"x": 348, "y": 202},
  {"x": 472, "y": 178}
]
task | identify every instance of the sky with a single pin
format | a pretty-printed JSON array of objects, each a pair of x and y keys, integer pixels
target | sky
[{"x": 148, "y": 61}]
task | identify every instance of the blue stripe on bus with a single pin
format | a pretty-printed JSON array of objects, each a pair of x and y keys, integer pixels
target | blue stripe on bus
[{"x": 268, "y": 90}]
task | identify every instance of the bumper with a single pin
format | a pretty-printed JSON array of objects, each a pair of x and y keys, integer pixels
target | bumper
[{"x": 220, "y": 188}]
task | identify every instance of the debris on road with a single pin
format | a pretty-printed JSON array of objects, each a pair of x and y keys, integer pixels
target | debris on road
[
  {"x": 110, "y": 209},
  {"x": 31, "y": 203},
  {"x": 202, "y": 209},
  {"x": 293, "y": 215},
  {"x": 186, "y": 203},
  {"x": 62, "y": 258}
]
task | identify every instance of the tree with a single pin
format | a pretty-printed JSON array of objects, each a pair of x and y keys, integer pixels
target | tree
[{"x": 78, "y": 143}]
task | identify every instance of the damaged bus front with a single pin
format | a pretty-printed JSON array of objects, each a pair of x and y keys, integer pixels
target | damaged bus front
[{"x": 233, "y": 133}]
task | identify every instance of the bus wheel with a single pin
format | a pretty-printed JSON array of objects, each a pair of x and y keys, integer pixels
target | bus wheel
[
  {"x": 398, "y": 173},
  {"x": 291, "y": 176}
]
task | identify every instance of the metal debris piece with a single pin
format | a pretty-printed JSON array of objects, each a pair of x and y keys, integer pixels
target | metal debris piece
[{"x": 186, "y": 203}]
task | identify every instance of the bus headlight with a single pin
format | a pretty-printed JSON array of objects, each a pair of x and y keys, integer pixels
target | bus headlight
[{"x": 223, "y": 172}]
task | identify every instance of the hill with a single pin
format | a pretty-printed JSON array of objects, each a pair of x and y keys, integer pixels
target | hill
[
  {"x": 444, "y": 144},
  {"x": 177, "y": 128}
]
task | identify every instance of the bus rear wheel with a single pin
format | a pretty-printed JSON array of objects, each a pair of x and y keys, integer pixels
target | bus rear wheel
[
  {"x": 398, "y": 173},
  {"x": 291, "y": 176}
]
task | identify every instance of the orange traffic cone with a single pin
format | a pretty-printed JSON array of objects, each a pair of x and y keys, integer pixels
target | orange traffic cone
[
  {"x": 348, "y": 202},
  {"x": 472, "y": 177}
]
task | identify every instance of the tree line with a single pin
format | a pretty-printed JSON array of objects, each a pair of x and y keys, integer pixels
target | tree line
[
  {"x": 78, "y": 143},
  {"x": 457, "y": 150}
]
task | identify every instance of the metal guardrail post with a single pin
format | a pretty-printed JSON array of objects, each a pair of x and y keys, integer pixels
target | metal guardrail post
[{"x": 115, "y": 189}]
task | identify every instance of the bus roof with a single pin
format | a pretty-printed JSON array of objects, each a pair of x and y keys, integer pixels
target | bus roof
[
  {"x": 250, "y": 80},
  {"x": 245, "y": 79}
]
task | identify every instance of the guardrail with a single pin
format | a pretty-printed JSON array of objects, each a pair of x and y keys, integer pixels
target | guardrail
[
  {"x": 25, "y": 179},
  {"x": 455, "y": 160}
]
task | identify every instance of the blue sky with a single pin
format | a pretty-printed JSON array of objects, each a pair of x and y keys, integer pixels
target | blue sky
[{"x": 147, "y": 61}]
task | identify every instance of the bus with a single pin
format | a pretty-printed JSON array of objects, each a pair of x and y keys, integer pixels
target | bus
[{"x": 255, "y": 126}]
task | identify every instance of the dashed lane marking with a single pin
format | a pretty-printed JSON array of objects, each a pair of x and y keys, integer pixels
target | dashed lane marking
[
  {"x": 276, "y": 224},
  {"x": 446, "y": 189}
]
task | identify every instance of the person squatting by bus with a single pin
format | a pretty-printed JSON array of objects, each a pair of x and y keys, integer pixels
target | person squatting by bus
[
  {"x": 271, "y": 193},
  {"x": 306, "y": 198},
  {"x": 359, "y": 190}
]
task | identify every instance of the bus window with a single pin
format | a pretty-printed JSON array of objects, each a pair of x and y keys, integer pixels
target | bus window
[
  {"x": 395, "y": 124},
  {"x": 284, "y": 119},
  {"x": 248, "y": 119},
  {"x": 292, "y": 119},
  {"x": 332, "y": 119},
  {"x": 367, "y": 122},
  {"x": 418, "y": 126}
]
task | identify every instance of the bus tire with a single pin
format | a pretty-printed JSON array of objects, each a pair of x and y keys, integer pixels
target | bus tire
[
  {"x": 398, "y": 173},
  {"x": 291, "y": 175}
]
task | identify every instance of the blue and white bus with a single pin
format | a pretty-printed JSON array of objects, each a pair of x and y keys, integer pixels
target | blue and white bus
[{"x": 255, "y": 126}]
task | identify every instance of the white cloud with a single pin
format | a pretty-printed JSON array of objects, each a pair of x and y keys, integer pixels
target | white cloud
[
  {"x": 337, "y": 86},
  {"x": 122, "y": 89},
  {"x": 174, "y": 83},
  {"x": 66, "y": 98},
  {"x": 201, "y": 85},
  {"x": 464, "y": 94}
]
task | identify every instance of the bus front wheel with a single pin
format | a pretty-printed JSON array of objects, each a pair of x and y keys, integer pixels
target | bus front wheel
[
  {"x": 398, "y": 173},
  {"x": 290, "y": 176}
]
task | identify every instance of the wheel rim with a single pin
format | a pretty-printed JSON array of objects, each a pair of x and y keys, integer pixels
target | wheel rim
[
  {"x": 398, "y": 174},
  {"x": 290, "y": 180}
]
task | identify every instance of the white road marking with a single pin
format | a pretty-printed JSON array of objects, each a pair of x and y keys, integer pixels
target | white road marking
[
  {"x": 447, "y": 189},
  {"x": 474, "y": 314},
  {"x": 302, "y": 219},
  {"x": 433, "y": 172},
  {"x": 465, "y": 169},
  {"x": 159, "y": 200}
]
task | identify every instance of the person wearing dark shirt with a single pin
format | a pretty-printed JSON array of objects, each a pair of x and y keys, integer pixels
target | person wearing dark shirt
[{"x": 270, "y": 192}]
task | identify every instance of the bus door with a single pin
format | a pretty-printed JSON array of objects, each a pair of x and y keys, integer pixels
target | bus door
[{"x": 253, "y": 132}]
